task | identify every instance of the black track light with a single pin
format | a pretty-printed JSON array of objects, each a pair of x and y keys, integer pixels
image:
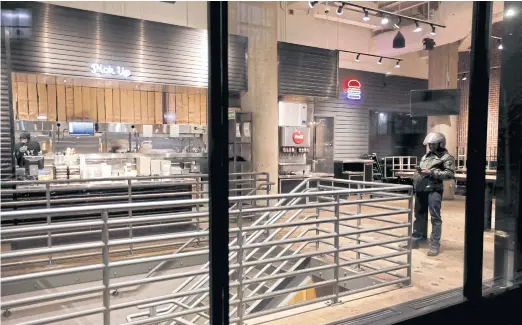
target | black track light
[
  {"x": 417, "y": 27},
  {"x": 398, "y": 23},
  {"x": 433, "y": 33},
  {"x": 366, "y": 18},
  {"x": 357, "y": 57},
  {"x": 340, "y": 10},
  {"x": 398, "y": 65},
  {"x": 380, "y": 61},
  {"x": 399, "y": 41},
  {"x": 464, "y": 77},
  {"x": 312, "y": 4},
  {"x": 500, "y": 46}
]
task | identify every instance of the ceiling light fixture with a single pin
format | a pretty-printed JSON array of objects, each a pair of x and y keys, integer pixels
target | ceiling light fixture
[
  {"x": 510, "y": 12},
  {"x": 366, "y": 18},
  {"x": 340, "y": 10},
  {"x": 398, "y": 65},
  {"x": 433, "y": 33},
  {"x": 312, "y": 4},
  {"x": 417, "y": 27},
  {"x": 399, "y": 41},
  {"x": 384, "y": 20},
  {"x": 398, "y": 23},
  {"x": 357, "y": 57},
  {"x": 380, "y": 61},
  {"x": 464, "y": 77}
]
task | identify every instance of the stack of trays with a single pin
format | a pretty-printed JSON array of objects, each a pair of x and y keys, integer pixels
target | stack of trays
[
  {"x": 74, "y": 171},
  {"x": 60, "y": 171}
]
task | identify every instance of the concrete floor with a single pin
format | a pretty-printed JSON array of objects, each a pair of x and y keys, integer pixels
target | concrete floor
[{"x": 430, "y": 275}]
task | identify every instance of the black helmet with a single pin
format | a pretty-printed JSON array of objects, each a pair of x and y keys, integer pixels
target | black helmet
[
  {"x": 25, "y": 135},
  {"x": 435, "y": 137}
]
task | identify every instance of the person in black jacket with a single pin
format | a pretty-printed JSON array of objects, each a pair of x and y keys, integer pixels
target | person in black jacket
[
  {"x": 25, "y": 147},
  {"x": 435, "y": 167}
]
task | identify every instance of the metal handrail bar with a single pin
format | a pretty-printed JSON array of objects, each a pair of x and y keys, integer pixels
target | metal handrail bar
[
  {"x": 269, "y": 221},
  {"x": 52, "y": 250},
  {"x": 158, "y": 319},
  {"x": 159, "y": 298},
  {"x": 43, "y": 274},
  {"x": 64, "y": 317},
  {"x": 373, "y": 258},
  {"x": 160, "y": 204},
  {"x": 124, "y": 178},
  {"x": 254, "y": 236}
]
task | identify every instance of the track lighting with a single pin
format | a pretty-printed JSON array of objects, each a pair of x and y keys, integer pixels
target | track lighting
[
  {"x": 340, "y": 10},
  {"x": 417, "y": 27},
  {"x": 398, "y": 65},
  {"x": 380, "y": 61},
  {"x": 312, "y": 4},
  {"x": 384, "y": 20},
  {"x": 464, "y": 77},
  {"x": 398, "y": 23},
  {"x": 357, "y": 57},
  {"x": 500, "y": 46},
  {"x": 433, "y": 31},
  {"x": 366, "y": 18}
]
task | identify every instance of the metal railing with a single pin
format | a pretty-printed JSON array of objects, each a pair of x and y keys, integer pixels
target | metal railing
[{"x": 321, "y": 227}]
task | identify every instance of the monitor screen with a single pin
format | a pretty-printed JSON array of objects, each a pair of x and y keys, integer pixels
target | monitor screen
[
  {"x": 81, "y": 128},
  {"x": 435, "y": 102}
]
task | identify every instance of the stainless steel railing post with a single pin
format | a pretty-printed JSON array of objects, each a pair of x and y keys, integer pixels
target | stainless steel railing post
[
  {"x": 359, "y": 198},
  {"x": 410, "y": 230},
  {"x": 49, "y": 233},
  {"x": 106, "y": 270},
  {"x": 129, "y": 193},
  {"x": 198, "y": 196},
  {"x": 241, "y": 307},
  {"x": 336, "y": 254}
]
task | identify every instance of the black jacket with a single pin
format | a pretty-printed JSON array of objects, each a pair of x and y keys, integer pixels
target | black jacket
[{"x": 442, "y": 167}]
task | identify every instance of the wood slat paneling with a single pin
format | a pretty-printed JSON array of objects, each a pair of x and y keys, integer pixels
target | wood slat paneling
[
  {"x": 52, "y": 94},
  {"x": 116, "y": 105},
  {"x": 100, "y": 104},
  {"x": 23, "y": 101},
  {"x": 32, "y": 96},
  {"x": 158, "y": 107},
  {"x": 109, "y": 112}
]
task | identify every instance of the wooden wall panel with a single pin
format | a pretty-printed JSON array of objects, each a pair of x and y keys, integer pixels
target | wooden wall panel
[
  {"x": 42, "y": 101},
  {"x": 158, "y": 107},
  {"x": 32, "y": 96},
  {"x": 181, "y": 105},
  {"x": 61, "y": 103},
  {"x": 172, "y": 116},
  {"x": 109, "y": 112},
  {"x": 14, "y": 89},
  {"x": 100, "y": 104},
  {"x": 23, "y": 101},
  {"x": 69, "y": 102},
  {"x": 116, "y": 105},
  {"x": 51, "y": 103},
  {"x": 150, "y": 108},
  {"x": 192, "y": 108},
  {"x": 78, "y": 110},
  {"x": 143, "y": 107},
  {"x": 204, "y": 111},
  {"x": 86, "y": 103},
  {"x": 127, "y": 106},
  {"x": 93, "y": 116},
  {"x": 136, "y": 94}
]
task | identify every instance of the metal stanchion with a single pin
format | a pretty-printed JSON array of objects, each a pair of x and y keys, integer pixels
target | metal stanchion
[
  {"x": 336, "y": 244},
  {"x": 241, "y": 307},
  {"x": 129, "y": 193},
  {"x": 49, "y": 233},
  {"x": 106, "y": 270}
]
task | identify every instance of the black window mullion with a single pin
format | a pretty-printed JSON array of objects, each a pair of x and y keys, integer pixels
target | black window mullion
[
  {"x": 476, "y": 150},
  {"x": 218, "y": 160}
]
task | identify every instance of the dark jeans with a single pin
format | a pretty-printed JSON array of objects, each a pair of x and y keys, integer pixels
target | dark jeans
[{"x": 425, "y": 201}]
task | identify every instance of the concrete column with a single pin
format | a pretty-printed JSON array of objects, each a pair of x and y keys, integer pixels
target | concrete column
[
  {"x": 258, "y": 22},
  {"x": 442, "y": 74}
]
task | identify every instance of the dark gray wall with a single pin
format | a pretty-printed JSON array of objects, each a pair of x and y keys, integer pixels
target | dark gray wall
[
  {"x": 380, "y": 93},
  {"x": 307, "y": 71},
  {"x": 66, "y": 40}
]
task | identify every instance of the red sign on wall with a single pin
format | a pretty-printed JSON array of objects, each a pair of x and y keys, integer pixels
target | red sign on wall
[
  {"x": 298, "y": 137},
  {"x": 353, "y": 89}
]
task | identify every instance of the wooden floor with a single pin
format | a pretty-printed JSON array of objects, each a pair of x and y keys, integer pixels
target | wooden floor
[{"x": 430, "y": 275}]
